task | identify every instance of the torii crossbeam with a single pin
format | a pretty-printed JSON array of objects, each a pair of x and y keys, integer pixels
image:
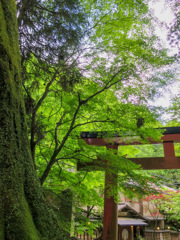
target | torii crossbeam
[{"x": 170, "y": 136}]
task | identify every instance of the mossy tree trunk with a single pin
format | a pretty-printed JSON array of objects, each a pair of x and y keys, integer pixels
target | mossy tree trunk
[{"x": 24, "y": 212}]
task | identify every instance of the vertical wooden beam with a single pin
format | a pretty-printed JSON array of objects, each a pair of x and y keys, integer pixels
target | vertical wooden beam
[
  {"x": 168, "y": 149},
  {"x": 110, "y": 227},
  {"x": 169, "y": 155}
]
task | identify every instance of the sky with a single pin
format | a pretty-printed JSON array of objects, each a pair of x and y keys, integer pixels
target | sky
[{"x": 165, "y": 14}]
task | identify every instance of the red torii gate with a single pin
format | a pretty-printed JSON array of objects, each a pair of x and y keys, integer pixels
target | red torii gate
[{"x": 170, "y": 136}]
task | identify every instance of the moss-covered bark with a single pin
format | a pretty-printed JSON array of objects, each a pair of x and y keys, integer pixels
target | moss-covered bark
[{"x": 24, "y": 212}]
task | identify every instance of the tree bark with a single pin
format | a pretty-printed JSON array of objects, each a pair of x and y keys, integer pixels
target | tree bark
[{"x": 24, "y": 211}]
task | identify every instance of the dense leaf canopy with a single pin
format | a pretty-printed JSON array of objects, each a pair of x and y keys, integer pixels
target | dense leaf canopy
[{"x": 47, "y": 29}]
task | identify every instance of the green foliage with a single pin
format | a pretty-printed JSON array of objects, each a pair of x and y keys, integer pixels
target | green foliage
[
  {"x": 174, "y": 29},
  {"x": 24, "y": 213},
  {"x": 170, "y": 208},
  {"x": 49, "y": 29},
  {"x": 104, "y": 85},
  {"x": 166, "y": 203},
  {"x": 174, "y": 111},
  {"x": 139, "y": 237}
]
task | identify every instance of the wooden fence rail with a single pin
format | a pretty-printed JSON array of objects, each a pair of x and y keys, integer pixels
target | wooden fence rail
[{"x": 86, "y": 236}]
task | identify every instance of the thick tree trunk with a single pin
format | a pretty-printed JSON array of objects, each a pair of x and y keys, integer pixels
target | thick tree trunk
[{"x": 24, "y": 212}]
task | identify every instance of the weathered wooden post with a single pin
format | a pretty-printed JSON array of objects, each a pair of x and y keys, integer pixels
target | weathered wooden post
[{"x": 110, "y": 227}]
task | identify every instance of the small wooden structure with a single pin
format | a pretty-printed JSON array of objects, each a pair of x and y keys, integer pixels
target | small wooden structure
[
  {"x": 170, "y": 136},
  {"x": 130, "y": 222}
]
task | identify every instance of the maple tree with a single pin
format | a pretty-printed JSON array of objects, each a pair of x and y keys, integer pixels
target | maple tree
[{"x": 165, "y": 204}]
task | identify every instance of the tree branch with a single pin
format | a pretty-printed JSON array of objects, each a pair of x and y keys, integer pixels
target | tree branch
[
  {"x": 71, "y": 128},
  {"x": 95, "y": 121},
  {"x": 107, "y": 86},
  {"x": 57, "y": 150},
  {"x": 41, "y": 138},
  {"x": 56, "y": 129}
]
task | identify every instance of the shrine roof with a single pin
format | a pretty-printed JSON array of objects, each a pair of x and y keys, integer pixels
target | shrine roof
[
  {"x": 125, "y": 207},
  {"x": 131, "y": 222}
]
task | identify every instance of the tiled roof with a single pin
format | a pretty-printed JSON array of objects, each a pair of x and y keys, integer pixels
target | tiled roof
[{"x": 131, "y": 222}]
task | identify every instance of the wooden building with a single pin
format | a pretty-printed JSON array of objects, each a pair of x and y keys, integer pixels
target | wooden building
[{"x": 130, "y": 223}]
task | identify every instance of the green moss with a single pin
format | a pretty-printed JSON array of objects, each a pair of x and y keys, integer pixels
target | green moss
[
  {"x": 24, "y": 213},
  {"x": 9, "y": 49},
  {"x": 1, "y": 220},
  {"x": 19, "y": 222}
]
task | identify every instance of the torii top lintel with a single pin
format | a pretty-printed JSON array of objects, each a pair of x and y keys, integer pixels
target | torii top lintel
[{"x": 170, "y": 136}]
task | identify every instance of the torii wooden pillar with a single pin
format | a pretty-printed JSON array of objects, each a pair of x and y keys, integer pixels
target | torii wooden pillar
[{"x": 169, "y": 161}]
